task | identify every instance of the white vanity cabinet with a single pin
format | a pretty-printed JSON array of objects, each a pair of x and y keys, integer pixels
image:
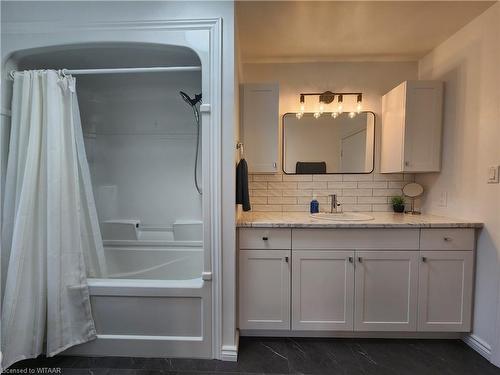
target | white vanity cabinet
[
  {"x": 386, "y": 291},
  {"x": 259, "y": 131},
  {"x": 359, "y": 280},
  {"x": 445, "y": 280},
  {"x": 411, "y": 128},
  {"x": 322, "y": 290},
  {"x": 264, "y": 279}
]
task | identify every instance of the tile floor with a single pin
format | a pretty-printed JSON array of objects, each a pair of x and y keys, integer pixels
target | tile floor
[{"x": 292, "y": 356}]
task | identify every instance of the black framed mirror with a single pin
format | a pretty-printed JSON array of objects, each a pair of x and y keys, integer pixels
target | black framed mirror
[{"x": 329, "y": 143}]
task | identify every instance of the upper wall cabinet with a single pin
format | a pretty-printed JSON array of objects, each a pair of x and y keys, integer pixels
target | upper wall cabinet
[
  {"x": 260, "y": 107},
  {"x": 411, "y": 127}
]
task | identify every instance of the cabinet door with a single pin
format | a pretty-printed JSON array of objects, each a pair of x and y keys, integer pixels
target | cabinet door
[
  {"x": 260, "y": 127},
  {"x": 386, "y": 291},
  {"x": 423, "y": 123},
  {"x": 393, "y": 119},
  {"x": 322, "y": 290},
  {"x": 264, "y": 288},
  {"x": 445, "y": 291}
]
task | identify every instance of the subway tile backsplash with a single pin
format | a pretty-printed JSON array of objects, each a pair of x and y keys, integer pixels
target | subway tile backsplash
[{"x": 356, "y": 192}]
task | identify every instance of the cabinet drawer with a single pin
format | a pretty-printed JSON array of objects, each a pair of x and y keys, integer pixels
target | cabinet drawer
[
  {"x": 447, "y": 239},
  {"x": 265, "y": 238},
  {"x": 359, "y": 239}
]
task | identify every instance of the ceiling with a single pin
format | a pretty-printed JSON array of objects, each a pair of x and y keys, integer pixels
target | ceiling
[{"x": 310, "y": 31}]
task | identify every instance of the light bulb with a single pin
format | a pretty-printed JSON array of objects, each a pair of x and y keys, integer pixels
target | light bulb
[
  {"x": 359, "y": 107},
  {"x": 299, "y": 115},
  {"x": 317, "y": 115},
  {"x": 321, "y": 108},
  {"x": 352, "y": 114},
  {"x": 340, "y": 101},
  {"x": 335, "y": 114},
  {"x": 302, "y": 107}
]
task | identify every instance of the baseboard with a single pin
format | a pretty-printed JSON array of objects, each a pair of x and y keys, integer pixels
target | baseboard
[
  {"x": 353, "y": 334},
  {"x": 230, "y": 352},
  {"x": 479, "y": 345}
]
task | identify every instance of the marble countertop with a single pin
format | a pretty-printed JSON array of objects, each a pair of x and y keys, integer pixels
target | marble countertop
[{"x": 380, "y": 220}]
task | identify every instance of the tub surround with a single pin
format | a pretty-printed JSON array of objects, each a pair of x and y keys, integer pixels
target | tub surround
[{"x": 380, "y": 220}]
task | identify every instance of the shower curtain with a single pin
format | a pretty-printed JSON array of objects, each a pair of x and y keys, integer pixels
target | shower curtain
[{"x": 50, "y": 233}]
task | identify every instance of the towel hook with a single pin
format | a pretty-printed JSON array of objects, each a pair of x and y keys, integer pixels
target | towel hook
[{"x": 239, "y": 146}]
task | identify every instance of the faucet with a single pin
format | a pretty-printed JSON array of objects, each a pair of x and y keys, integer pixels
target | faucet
[{"x": 334, "y": 204}]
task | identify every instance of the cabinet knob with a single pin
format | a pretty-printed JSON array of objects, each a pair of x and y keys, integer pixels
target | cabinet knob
[
  {"x": 350, "y": 260},
  {"x": 286, "y": 259},
  {"x": 265, "y": 238},
  {"x": 447, "y": 239},
  {"x": 360, "y": 260},
  {"x": 424, "y": 259},
  {"x": 407, "y": 163}
]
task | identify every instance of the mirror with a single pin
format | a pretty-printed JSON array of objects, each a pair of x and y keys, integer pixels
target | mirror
[{"x": 327, "y": 145}]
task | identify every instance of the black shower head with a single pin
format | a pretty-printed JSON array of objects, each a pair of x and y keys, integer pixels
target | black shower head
[{"x": 192, "y": 102}]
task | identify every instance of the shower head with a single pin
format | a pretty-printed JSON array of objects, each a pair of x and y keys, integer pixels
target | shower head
[{"x": 192, "y": 102}]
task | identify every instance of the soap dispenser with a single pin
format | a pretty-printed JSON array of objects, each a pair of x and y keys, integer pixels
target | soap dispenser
[{"x": 314, "y": 209}]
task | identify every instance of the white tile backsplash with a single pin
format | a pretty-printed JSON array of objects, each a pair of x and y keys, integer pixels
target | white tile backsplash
[{"x": 356, "y": 192}]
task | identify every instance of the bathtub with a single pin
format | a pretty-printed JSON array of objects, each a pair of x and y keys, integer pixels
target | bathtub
[{"x": 153, "y": 302}]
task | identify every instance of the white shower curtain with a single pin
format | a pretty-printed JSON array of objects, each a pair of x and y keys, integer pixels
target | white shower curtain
[{"x": 50, "y": 233}]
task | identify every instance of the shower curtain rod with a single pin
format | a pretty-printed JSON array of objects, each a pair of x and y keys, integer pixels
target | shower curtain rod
[{"x": 126, "y": 70}]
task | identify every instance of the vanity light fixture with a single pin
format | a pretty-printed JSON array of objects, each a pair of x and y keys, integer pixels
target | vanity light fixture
[{"x": 328, "y": 97}]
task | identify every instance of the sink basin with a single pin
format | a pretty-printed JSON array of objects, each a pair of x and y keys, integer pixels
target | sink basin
[{"x": 343, "y": 216}]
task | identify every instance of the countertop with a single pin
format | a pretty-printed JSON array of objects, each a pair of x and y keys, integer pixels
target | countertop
[{"x": 380, "y": 220}]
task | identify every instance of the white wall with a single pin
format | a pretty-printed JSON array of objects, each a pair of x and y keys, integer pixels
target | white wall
[
  {"x": 469, "y": 64},
  {"x": 33, "y": 13}
]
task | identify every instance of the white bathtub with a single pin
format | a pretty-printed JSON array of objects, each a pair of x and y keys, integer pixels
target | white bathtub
[
  {"x": 153, "y": 303},
  {"x": 154, "y": 260}
]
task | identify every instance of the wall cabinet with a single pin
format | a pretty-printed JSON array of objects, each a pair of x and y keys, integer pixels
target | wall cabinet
[
  {"x": 314, "y": 285},
  {"x": 259, "y": 131},
  {"x": 411, "y": 128}
]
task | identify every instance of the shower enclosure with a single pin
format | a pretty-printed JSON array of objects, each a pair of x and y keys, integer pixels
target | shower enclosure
[{"x": 151, "y": 157}]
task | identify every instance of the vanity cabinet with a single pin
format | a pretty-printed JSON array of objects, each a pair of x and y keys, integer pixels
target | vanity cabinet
[
  {"x": 358, "y": 280},
  {"x": 264, "y": 278},
  {"x": 411, "y": 128},
  {"x": 386, "y": 291},
  {"x": 259, "y": 131},
  {"x": 264, "y": 287},
  {"x": 445, "y": 291},
  {"x": 322, "y": 290}
]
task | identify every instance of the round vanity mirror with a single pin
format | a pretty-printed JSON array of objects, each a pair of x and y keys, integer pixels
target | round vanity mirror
[{"x": 413, "y": 190}]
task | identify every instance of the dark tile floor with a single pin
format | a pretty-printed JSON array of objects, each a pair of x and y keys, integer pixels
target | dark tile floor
[{"x": 294, "y": 356}]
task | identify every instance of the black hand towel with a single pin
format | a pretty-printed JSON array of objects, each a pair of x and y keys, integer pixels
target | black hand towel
[{"x": 242, "y": 196}]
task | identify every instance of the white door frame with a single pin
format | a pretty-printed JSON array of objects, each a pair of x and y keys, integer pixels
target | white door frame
[{"x": 204, "y": 36}]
